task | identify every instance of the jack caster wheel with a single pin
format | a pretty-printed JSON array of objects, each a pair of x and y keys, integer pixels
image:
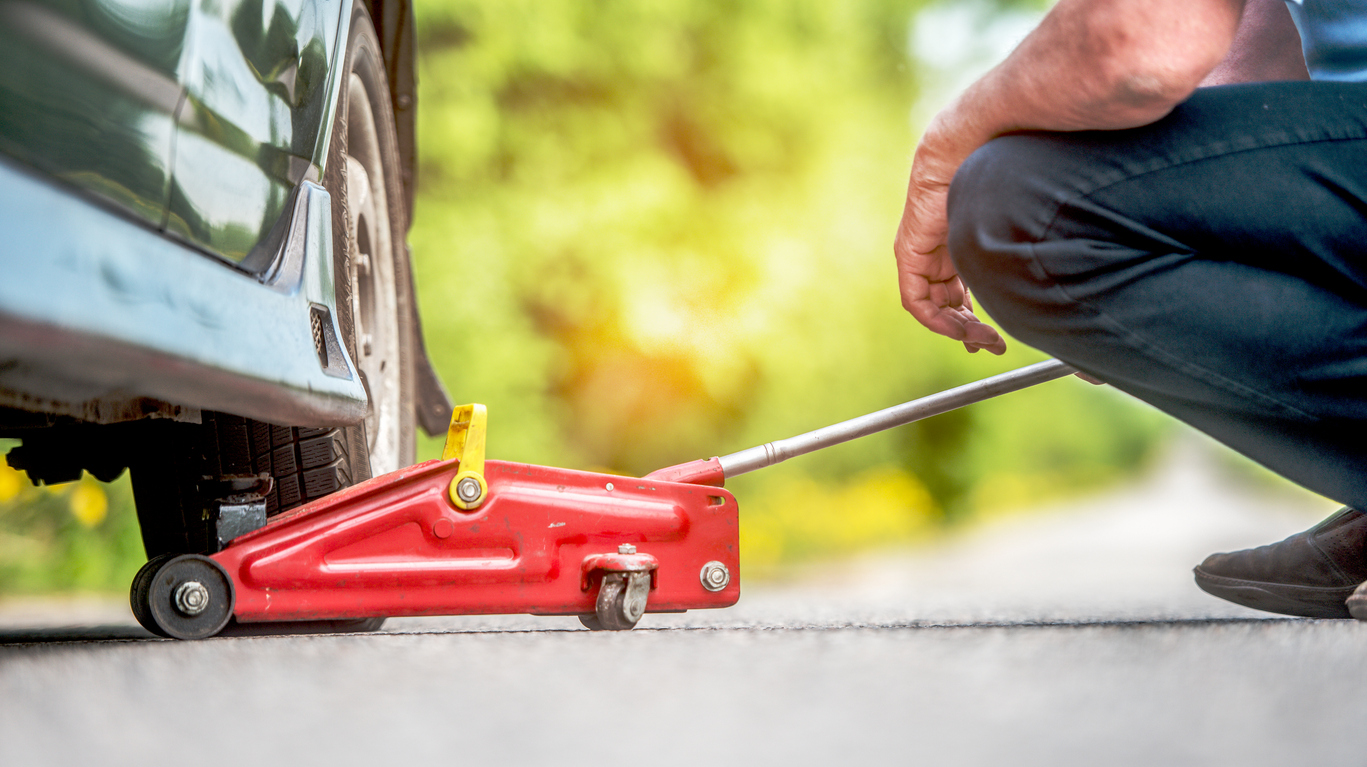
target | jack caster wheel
[
  {"x": 138, "y": 594},
  {"x": 621, "y": 602},
  {"x": 183, "y": 597}
]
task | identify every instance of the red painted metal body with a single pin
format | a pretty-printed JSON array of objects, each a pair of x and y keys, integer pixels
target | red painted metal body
[
  {"x": 702, "y": 472},
  {"x": 396, "y": 545}
]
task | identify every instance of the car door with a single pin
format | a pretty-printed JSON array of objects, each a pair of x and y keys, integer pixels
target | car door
[
  {"x": 256, "y": 103},
  {"x": 89, "y": 92}
]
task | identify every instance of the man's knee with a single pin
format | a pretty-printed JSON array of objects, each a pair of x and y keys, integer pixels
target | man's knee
[{"x": 1000, "y": 204}]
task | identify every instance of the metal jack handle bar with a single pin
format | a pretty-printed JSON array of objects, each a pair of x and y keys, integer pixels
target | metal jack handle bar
[{"x": 715, "y": 470}]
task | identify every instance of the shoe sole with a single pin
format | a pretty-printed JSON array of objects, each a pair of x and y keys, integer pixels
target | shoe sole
[{"x": 1302, "y": 601}]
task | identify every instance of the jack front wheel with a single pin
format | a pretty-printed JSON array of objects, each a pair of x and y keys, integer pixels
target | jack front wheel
[{"x": 183, "y": 597}]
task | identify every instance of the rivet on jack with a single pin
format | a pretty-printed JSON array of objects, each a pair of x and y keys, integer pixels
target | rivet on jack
[
  {"x": 443, "y": 528},
  {"x": 714, "y": 576}
]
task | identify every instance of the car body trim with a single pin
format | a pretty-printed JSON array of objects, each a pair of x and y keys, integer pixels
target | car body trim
[
  {"x": 93, "y": 306},
  {"x": 320, "y": 149}
]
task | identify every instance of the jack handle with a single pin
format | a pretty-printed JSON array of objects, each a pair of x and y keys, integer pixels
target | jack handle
[{"x": 714, "y": 471}]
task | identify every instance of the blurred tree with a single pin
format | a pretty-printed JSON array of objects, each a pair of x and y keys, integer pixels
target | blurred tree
[
  {"x": 653, "y": 231},
  {"x": 78, "y": 536}
]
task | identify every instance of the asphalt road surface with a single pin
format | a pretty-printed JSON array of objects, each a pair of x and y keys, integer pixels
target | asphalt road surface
[{"x": 1070, "y": 637}]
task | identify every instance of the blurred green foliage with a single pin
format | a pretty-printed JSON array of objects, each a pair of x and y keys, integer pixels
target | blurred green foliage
[
  {"x": 77, "y": 536},
  {"x": 649, "y": 231}
]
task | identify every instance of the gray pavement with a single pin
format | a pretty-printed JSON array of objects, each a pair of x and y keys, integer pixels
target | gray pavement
[{"x": 1071, "y": 636}]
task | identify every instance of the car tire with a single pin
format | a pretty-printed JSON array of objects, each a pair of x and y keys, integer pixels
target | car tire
[
  {"x": 369, "y": 224},
  {"x": 179, "y": 469}
]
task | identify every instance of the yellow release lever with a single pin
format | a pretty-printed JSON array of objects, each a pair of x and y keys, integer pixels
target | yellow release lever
[{"x": 465, "y": 441}]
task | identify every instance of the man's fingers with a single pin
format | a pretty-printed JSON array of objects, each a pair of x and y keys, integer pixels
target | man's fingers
[
  {"x": 915, "y": 291},
  {"x": 955, "y": 293},
  {"x": 958, "y": 324},
  {"x": 949, "y": 293},
  {"x": 938, "y": 320},
  {"x": 984, "y": 336}
]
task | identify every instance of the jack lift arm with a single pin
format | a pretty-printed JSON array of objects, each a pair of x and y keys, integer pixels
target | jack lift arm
[{"x": 465, "y": 536}]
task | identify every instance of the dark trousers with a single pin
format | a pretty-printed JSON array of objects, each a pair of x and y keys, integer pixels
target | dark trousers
[{"x": 1212, "y": 264}]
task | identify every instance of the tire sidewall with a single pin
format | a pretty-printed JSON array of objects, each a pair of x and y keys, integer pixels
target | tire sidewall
[{"x": 364, "y": 58}]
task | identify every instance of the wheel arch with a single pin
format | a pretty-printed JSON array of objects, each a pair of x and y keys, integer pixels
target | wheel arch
[
  {"x": 395, "y": 26},
  {"x": 393, "y": 20}
]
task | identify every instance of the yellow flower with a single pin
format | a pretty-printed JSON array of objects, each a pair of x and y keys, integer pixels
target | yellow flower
[
  {"x": 88, "y": 503},
  {"x": 11, "y": 482}
]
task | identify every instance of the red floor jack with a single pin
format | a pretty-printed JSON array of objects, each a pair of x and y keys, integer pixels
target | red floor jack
[{"x": 462, "y": 536}]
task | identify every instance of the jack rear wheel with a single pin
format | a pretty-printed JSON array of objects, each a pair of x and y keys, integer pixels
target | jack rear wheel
[{"x": 183, "y": 597}]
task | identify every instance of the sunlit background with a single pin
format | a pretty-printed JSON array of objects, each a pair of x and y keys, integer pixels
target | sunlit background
[{"x": 649, "y": 231}]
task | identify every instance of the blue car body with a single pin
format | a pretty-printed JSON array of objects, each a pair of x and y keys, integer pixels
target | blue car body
[{"x": 168, "y": 244}]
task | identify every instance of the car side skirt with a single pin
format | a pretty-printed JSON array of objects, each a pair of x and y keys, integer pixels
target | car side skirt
[{"x": 97, "y": 312}]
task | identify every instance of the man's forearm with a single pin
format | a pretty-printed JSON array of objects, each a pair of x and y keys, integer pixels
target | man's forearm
[{"x": 1093, "y": 64}]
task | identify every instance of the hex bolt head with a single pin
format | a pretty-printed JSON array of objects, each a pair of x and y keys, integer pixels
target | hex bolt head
[
  {"x": 714, "y": 576},
  {"x": 469, "y": 490},
  {"x": 626, "y": 548},
  {"x": 191, "y": 598}
]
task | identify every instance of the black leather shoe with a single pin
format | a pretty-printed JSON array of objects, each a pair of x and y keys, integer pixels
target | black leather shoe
[{"x": 1310, "y": 574}]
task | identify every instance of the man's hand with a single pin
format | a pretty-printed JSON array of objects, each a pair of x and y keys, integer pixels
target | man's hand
[{"x": 931, "y": 290}]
